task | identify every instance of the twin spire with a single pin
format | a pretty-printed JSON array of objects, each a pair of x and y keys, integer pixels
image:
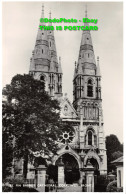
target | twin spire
[
  {"x": 86, "y": 58},
  {"x": 45, "y": 48}
]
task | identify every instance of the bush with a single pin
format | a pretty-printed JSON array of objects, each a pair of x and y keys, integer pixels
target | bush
[
  {"x": 6, "y": 189},
  {"x": 102, "y": 182},
  {"x": 112, "y": 187},
  {"x": 120, "y": 189},
  {"x": 16, "y": 180}
]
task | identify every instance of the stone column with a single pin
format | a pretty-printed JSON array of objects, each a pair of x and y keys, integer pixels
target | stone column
[
  {"x": 89, "y": 171},
  {"x": 31, "y": 175},
  {"x": 41, "y": 176},
  {"x": 82, "y": 168},
  {"x": 87, "y": 139},
  {"x": 92, "y": 139},
  {"x": 60, "y": 173}
]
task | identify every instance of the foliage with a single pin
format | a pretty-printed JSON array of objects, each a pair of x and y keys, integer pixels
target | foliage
[
  {"x": 116, "y": 155},
  {"x": 7, "y": 155},
  {"x": 39, "y": 161},
  {"x": 52, "y": 171},
  {"x": 6, "y": 188},
  {"x": 31, "y": 118},
  {"x": 102, "y": 182},
  {"x": 112, "y": 187},
  {"x": 16, "y": 180},
  {"x": 120, "y": 189},
  {"x": 114, "y": 149}
]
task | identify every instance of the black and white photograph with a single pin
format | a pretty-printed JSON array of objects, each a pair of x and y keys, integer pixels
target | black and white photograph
[{"x": 62, "y": 96}]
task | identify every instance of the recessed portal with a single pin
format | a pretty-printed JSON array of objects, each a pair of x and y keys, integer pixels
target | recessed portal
[{"x": 71, "y": 168}]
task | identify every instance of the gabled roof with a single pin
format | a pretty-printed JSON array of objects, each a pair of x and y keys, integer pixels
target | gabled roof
[
  {"x": 67, "y": 109},
  {"x": 118, "y": 160}
]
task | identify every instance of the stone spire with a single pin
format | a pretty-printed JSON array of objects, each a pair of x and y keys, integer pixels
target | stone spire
[
  {"x": 86, "y": 68},
  {"x": 44, "y": 63},
  {"x": 86, "y": 53},
  {"x": 41, "y": 55},
  {"x": 86, "y": 11},
  {"x": 50, "y": 15},
  {"x": 52, "y": 70},
  {"x": 42, "y": 16},
  {"x": 75, "y": 69},
  {"x": 52, "y": 45},
  {"x": 98, "y": 68},
  {"x": 79, "y": 68},
  {"x": 60, "y": 68}
]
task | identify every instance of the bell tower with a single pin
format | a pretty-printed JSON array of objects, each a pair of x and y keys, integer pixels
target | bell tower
[
  {"x": 87, "y": 77},
  {"x": 44, "y": 64},
  {"x": 87, "y": 102}
]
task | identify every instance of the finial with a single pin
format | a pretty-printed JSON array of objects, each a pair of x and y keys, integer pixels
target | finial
[
  {"x": 97, "y": 58},
  {"x": 59, "y": 59},
  {"x": 42, "y": 10},
  {"x": 86, "y": 11},
  {"x": 50, "y": 15},
  {"x": 75, "y": 64},
  {"x": 33, "y": 52}
]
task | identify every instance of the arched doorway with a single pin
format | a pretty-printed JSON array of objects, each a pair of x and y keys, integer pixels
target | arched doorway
[
  {"x": 71, "y": 168},
  {"x": 94, "y": 163}
]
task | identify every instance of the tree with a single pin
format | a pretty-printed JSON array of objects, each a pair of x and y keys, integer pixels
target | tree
[
  {"x": 116, "y": 155},
  {"x": 32, "y": 118},
  {"x": 114, "y": 149},
  {"x": 52, "y": 171},
  {"x": 7, "y": 155}
]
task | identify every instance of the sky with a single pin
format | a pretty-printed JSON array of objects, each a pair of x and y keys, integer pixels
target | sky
[{"x": 19, "y": 30}]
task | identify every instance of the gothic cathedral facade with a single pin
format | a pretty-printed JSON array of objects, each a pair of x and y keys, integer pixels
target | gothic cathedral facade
[{"x": 85, "y": 114}]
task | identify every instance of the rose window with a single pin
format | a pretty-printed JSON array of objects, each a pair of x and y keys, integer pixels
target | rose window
[{"x": 67, "y": 137}]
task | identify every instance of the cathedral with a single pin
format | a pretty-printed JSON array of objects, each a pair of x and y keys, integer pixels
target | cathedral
[{"x": 85, "y": 114}]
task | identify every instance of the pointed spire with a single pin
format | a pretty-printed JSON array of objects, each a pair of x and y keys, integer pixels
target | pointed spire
[
  {"x": 50, "y": 15},
  {"x": 59, "y": 69},
  {"x": 32, "y": 67},
  {"x": 52, "y": 70},
  {"x": 75, "y": 64},
  {"x": 79, "y": 67},
  {"x": 42, "y": 11},
  {"x": 86, "y": 11},
  {"x": 86, "y": 23},
  {"x": 98, "y": 68},
  {"x": 50, "y": 23},
  {"x": 41, "y": 44},
  {"x": 86, "y": 58},
  {"x": 52, "y": 45},
  {"x": 42, "y": 16},
  {"x": 75, "y": 69}
]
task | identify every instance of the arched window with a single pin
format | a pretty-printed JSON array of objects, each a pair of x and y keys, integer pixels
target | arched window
[
  {"x": 90, "y": 88},
  {"x": 89, "y": 138},
  {"x": 95, "y": 140},
  {"x": 42, "y": 79}
]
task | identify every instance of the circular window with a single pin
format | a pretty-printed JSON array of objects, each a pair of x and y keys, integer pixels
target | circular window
[{"x": 67, "y": 137}]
